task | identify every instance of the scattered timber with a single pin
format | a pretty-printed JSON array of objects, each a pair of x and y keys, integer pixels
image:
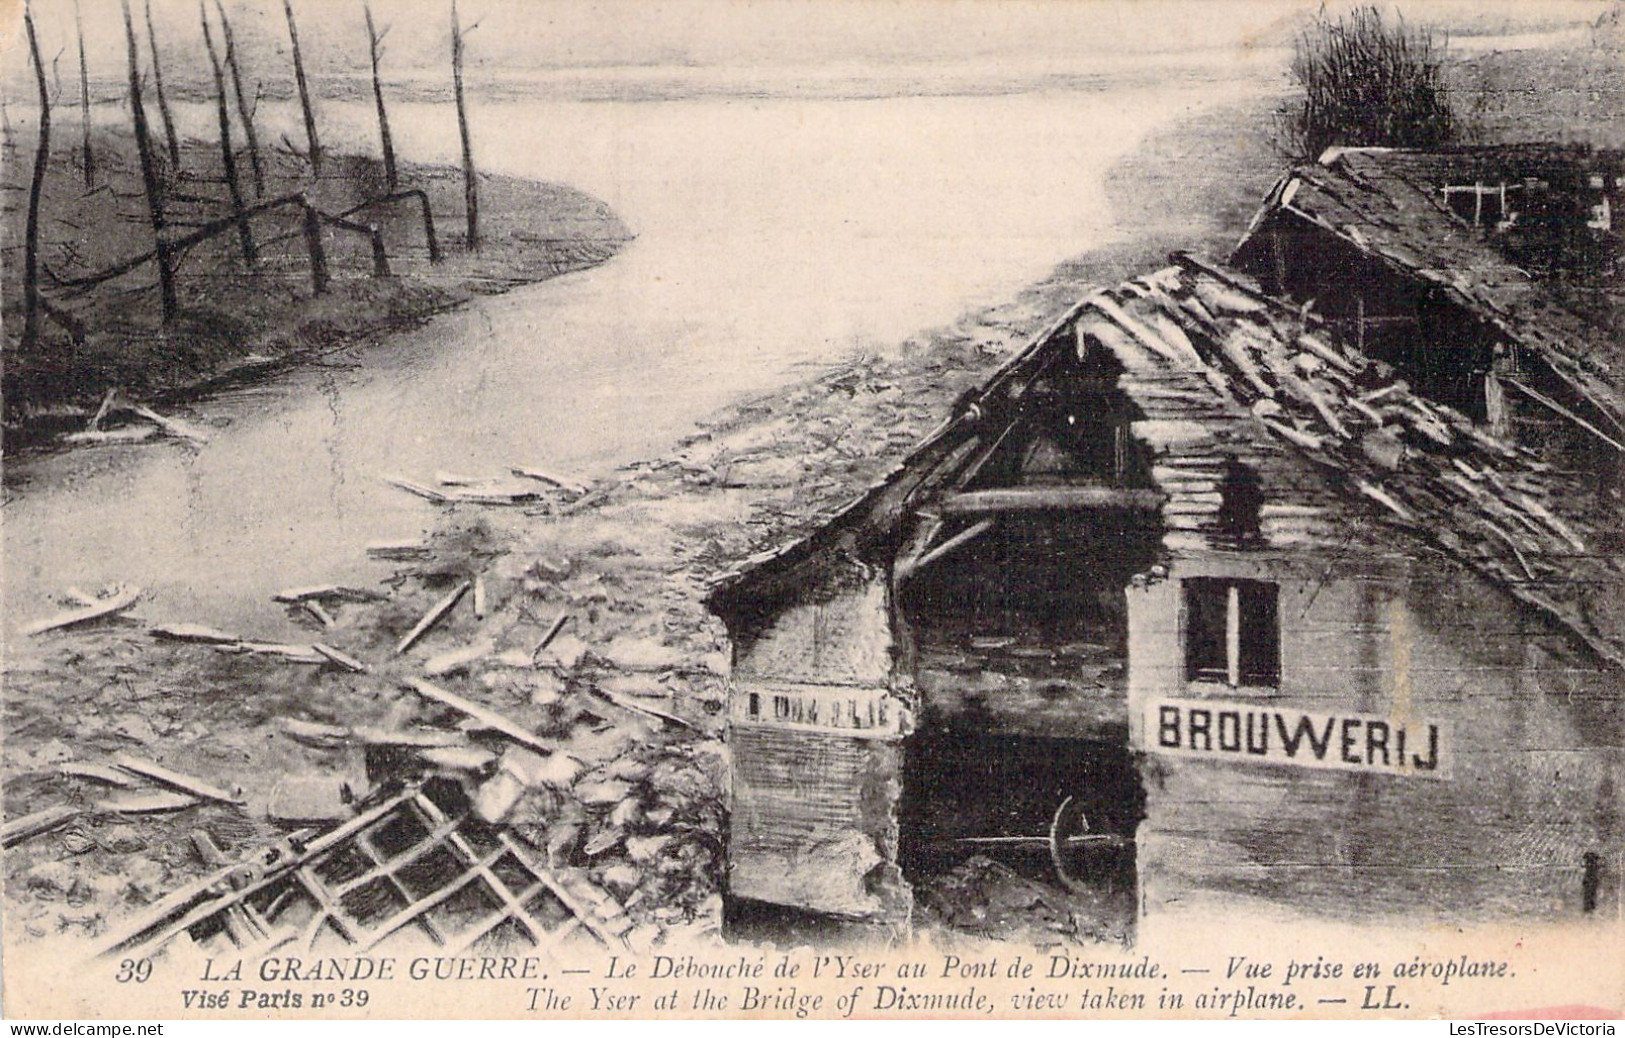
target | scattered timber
[
  {"x": 184, "y": 783},
  {"x": 436, "y": 613},
  {"x": 489, "y": 718},
  {"x": 116, "y": 602},
  {"x": 31, "y": 825},
  {"x": 197, "y": 633},
  {"x": 146, "y": 803},
  {"x": 343, "y": 659}
]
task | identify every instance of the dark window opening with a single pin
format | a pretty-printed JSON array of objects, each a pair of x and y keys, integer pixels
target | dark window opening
[
  {"x": 755, "y": 705},
  {"x": 1232, "y": 632},
  {"x": 1241, "y": 500}
]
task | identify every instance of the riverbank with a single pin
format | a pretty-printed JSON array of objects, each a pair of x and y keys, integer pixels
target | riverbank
[
  {"x": 239, "y": 320},
  {"x": 624, "y": 567}
]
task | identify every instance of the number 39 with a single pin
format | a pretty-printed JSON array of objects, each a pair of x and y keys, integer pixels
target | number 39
[{"x": 137, "y": 970}]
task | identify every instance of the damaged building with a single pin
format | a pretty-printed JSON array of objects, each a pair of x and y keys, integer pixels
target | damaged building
[
  {"x": 1480, "y": 273},
  {"x": 1197, "y": 599}
]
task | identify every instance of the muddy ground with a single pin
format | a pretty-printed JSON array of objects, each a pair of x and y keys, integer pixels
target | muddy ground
[
  {"x": 256, "y": 317},
  {"x": 633, "y": 686}
]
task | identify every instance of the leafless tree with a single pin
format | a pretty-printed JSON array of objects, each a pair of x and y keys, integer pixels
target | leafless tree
[
  {"x": 149, "y": 172},
  {"x": 173, "y": 141},
  {"x": 89, "y": 162},
  {"x": 315, "y": 147},
  {"x": 245, "y": 109},
  {"x": 42, "y": 156},
  {"x": 471, "y": 190},
  {"x": 228, "y": 160},
  {"x": 375, "y": 47}
]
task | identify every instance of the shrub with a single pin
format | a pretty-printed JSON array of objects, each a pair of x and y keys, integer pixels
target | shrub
[{"x": 1367, "y": 83}]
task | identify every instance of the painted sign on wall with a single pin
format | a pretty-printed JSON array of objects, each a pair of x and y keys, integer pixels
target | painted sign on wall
[{"x": 1266, "y": 734}]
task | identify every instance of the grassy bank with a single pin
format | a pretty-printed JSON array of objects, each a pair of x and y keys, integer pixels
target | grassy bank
[{"x": 238, "y": 319}]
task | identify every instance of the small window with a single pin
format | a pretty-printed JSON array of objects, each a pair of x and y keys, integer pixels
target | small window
[
  {"x": 1232, "y": 632},
  {"x": 755, "y": 709}
]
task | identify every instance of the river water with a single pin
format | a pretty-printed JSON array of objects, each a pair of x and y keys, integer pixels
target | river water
[{"x": 771, "y": 232}]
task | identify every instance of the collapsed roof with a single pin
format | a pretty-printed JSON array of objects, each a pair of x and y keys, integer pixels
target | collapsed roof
[
  {"x": 1221, "y": 373},
  {"x": 1391, "y": 206}
]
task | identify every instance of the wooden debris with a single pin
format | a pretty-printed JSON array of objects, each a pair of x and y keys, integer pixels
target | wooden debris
[
  {"x": 458, "y": 758},
  {"x": 31, "y": 825},
  {"x": 312, "y": 733},
  {"x": 146, "y": 803},
  {"x": 128, "y": 434},
  {"x": 479, "y": 597},
  {"x": 97, "y": 773},
  {"x": 436, "y": 613},
  {"x": 192, "y": 633},
  {"x": 397, "y": 551},
  {"x": 185, "y": 783},
  {"x": 428, "y": 493},
  {"x": 106, "y": 408},
  {"x": 547, "y": 477},
  {"x": 547, "y": 639},
  {"x": 321, "y": 615},
  {"x": 627, "y": 704},
  {"x": 287, "y": 653},
  {"x": 116, "y": 602},
  {"x": 173, "y": 426},
  {"x": 489, "y": 718},
  {"x": 299, "y": 595},
  {"x": 208, "y": 851},
  {"x": 343, "y": 659}
]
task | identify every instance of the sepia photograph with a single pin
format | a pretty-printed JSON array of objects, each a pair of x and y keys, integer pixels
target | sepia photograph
[{"x": 813, "y": 509}]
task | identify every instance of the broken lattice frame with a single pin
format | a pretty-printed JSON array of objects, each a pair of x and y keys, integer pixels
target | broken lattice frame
[{"x": 415, "y": 865}]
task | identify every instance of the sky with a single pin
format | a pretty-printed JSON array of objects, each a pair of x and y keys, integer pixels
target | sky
[{"x": 547, "y": 34}]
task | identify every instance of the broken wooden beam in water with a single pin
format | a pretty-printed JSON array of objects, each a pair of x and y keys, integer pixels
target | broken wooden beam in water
[{"x": 487, "y": 717}]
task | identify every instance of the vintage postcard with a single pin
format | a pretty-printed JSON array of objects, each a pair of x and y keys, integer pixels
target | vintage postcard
[{"x": 870, "y": 509}]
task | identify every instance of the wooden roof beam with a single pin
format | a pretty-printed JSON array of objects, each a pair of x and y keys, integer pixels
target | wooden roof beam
[{"x": 1046, "y": 499}]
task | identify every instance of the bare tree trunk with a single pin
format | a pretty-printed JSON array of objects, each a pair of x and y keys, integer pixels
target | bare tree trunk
[
  {"x": 84, "y": 101},
  {"x": 42, "y": 156},
  {"x": 163, "y": 99},
  {"x": 375, "y": 48},
  {"x": 471, "y": 191},
  {"x": 304, "y": 92},
  {"x": 228, "y": 160},
  {"x": 149, "y": 172},
  {"x": 245, "y": 111}
]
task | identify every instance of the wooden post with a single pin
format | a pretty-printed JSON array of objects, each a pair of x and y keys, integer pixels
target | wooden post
[
  {"x": 313, "y": 244},
  {"x": 471, "y": 191},
  {"x": 149, "y": 173},
  {"x": 42, "y": 156},
  {"x": 380, "y": 256},
  {"x": 245, "y": 111},
  {"x": 375, "y": 48},
  {"x": 163, "y": 99},
  {"x": 304, "y": 92},
  {"x": 84, "y": 101},
  {"x": 228, "y": 160}
]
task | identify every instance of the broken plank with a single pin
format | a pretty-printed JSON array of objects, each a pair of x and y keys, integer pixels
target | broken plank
[
  {"x": 320, "y": 615},
  {"x": 343, "y": 659},
  {"x": 288, "y": 653},
  {"x": 428, "y": 493},
  {"x": 127, "y": 434},
  {"x": 297, "y": 595},
  {"x": 31, "y": 825},
  {"x": 114, "y": 603},
  {"x": 479, "y": 598},
  {"x": 626, "y": 704},
  {"x": 192, "y": 633},
  {"x": 435, "y": 614},
  {"x": 168, "y": 777},
  {"x": 398, "y": 551},
  {"x": 489, "y": 718},
  {"x": 547, "y": 639},
  {"x": 146, "y": 803},
  {"x": 547, "y": 477},
  {"x": 1037, "y": 498},
  {"x": 173, "y": 426},
  {"x": 106, "y": 408},
  {"x": 97, "y": 773},
  {"x": 314, "y": 733}
]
